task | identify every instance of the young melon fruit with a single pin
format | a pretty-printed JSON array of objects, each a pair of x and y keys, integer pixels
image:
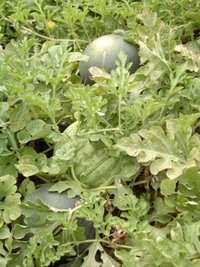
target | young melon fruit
[
  {"x": 103, "y": 52},
  {"x": 60, "y": 201}
]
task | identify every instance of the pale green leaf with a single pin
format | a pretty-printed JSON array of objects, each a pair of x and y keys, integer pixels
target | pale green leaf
[
  {"x": 34, "y": 130},
  {"x": 73, "y": 188},
  {"x": 161, "y": 212},
  {"x": 4, "y": 232},
  {"x": 108, "y": 261},
  {"x": 19, "y": 117},
  {"x": 27, "y": 164},
  {"x": 65, "y": 152},
  {"x": 4, "y": 107},
  {"x": 160, "y": 165},
  {"x": 11, "y": 207},
  {"x": 169, "y": 151},
  {"x": 190, "y": 51},
  {"x": 167, "y": 187},
  {"x": 7, "y": 186},
  {"x": 90, "y": 259},
  {"x": 27, "y": 167}
]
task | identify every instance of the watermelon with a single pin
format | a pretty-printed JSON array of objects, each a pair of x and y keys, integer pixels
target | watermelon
[
  {"x": 60, "y": 201},
  {"x": 92, "y": 162},
  {"x": 103, "y": 53}
]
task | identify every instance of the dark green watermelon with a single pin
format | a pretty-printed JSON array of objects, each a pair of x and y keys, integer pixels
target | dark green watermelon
[
  {"x": 60, "y": 201},
  {"x": 103, "y": 52}
]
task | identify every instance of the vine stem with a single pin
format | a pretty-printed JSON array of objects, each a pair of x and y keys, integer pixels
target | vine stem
[
  {"x": 103, "y": 188},
  {"x": 13, "y": 141},
  {"x": 43, "y": 36},
  {"x": 119, "y": 111},
  {"x": 74, "y": 176}
]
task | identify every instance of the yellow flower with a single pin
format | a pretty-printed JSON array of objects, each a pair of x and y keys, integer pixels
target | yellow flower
[{"x": 51, "y": 25}]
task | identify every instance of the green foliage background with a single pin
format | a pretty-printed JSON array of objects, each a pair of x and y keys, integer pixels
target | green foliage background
[{"x": 128, "y": 145}]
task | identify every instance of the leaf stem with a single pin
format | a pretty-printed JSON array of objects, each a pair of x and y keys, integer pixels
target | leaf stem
[
  {"x": 12, "y": 140},
  {"x": 103, "y": 188},
  {"x": 42, "y": 178},
  {"x": 119, "y": 111},
  {"x": 140, "y": 182},
  {"x": 74, "y": 176}
]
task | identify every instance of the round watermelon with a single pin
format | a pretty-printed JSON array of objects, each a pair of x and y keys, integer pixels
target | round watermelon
[
  {"x": 103, "y": 53},
  {"x": 60, "y": 201}
]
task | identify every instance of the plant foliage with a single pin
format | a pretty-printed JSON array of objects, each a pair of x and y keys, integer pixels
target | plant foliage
[{"x": 128, "y": 145}]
